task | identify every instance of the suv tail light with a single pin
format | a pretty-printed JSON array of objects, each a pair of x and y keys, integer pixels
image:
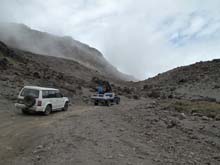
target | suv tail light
[{"x": 39, "y": 103}]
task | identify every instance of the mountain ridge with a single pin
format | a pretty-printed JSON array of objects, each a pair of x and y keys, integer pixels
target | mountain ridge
[
  {"x": 22, "y": 37},
  {"x": 196, "y": 81}
]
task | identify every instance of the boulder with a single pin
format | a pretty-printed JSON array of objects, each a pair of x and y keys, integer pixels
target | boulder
[
  {"x": 36, "y": 75},
  {"x": 217, "y": 117},
  {"x": 4, "y": 63},
  {"x": 154, "y": 94}
]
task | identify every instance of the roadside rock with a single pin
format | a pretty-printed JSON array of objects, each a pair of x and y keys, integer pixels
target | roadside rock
[
  {"x": 4, "y": 63},
  {"x": 217, "y": 117},
  {"x": 154, "y": 94},
  {"x": 182, "y": 116},
  {"x": 36, "y": 75},
  {"x": 197, "y": 114},
  {"x": 136, "y": 97},
  {"x": 205, "y": 118},
  {"x": 173, "y": 123},
  {"x": 39, "y": 149}
]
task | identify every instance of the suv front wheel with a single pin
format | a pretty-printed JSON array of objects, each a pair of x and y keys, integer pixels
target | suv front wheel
[
  {"x": 66, "y": 106},
  {"x": 47, "y": 110}
]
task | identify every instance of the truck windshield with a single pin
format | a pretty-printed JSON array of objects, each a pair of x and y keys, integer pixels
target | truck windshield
[{"x": 30, "y": 92}]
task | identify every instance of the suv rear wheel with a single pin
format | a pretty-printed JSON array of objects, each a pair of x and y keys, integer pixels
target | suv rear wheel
[
  {"x": 47, "y": 110},
  {"x": 24, "y": 111}
]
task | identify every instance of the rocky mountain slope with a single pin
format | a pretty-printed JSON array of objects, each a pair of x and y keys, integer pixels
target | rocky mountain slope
[
  {"x": 138, "y": 131},
  {"x": 22, "y": 37},
  {"x": 19, "y": 68},
  {"x": 200, "y": 81}
]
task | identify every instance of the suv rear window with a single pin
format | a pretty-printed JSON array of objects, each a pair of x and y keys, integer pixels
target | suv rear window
[{"x": 30, "y": 92}]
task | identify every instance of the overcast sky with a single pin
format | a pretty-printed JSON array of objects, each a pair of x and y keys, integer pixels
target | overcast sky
[{"x": 139, "y": 37}]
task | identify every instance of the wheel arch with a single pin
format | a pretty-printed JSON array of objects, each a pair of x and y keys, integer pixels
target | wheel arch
[
  {"x": 49, "y": 104},
  {"x": 66, "y": 101}
]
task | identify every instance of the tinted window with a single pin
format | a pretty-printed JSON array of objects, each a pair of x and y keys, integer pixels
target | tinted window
[
  {"x": 52, "y": 94},
  {"x": 59, "y": 95},
  {"x": 30, "y": 92},
  {"x": 45, "y": 94},
  {"x": 49, "y": 94}
]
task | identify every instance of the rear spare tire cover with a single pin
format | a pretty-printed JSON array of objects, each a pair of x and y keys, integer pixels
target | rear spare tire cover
[{"x": 29, "y": 101}]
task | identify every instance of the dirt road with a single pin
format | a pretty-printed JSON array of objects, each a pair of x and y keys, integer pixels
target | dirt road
[
  {"x": 82, "y": 135},
  {"x": 136, "y": 132}
]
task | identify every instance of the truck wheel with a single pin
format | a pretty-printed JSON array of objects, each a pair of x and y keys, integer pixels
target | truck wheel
[
  {"x": 47, "y": 110},
  {"x": 118, "y": 101},
  {"x": 107, "y": 103},
  {"x": 96, "y": 103}
]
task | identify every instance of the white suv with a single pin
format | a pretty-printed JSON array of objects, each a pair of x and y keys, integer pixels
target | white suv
[{"x": 39, "y": 99}]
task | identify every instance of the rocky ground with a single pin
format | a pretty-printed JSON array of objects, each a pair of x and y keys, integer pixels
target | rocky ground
[
  {"x": 141, "y": 131},
  {"x": 169, "y": 119}
]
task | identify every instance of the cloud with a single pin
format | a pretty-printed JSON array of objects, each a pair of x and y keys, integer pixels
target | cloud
[{"x": 142, "y": 38}]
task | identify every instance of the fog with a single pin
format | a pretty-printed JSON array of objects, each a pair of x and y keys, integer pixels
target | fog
[{"x": 141, "y": 38}]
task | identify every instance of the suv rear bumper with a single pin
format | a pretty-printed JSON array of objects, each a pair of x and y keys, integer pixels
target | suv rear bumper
[{"x": 34, "y": 108}]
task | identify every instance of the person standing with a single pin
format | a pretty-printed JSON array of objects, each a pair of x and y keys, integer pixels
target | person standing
[
  {"x": 108, "y": 88},
  {"x": 100, "y": 89}
]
